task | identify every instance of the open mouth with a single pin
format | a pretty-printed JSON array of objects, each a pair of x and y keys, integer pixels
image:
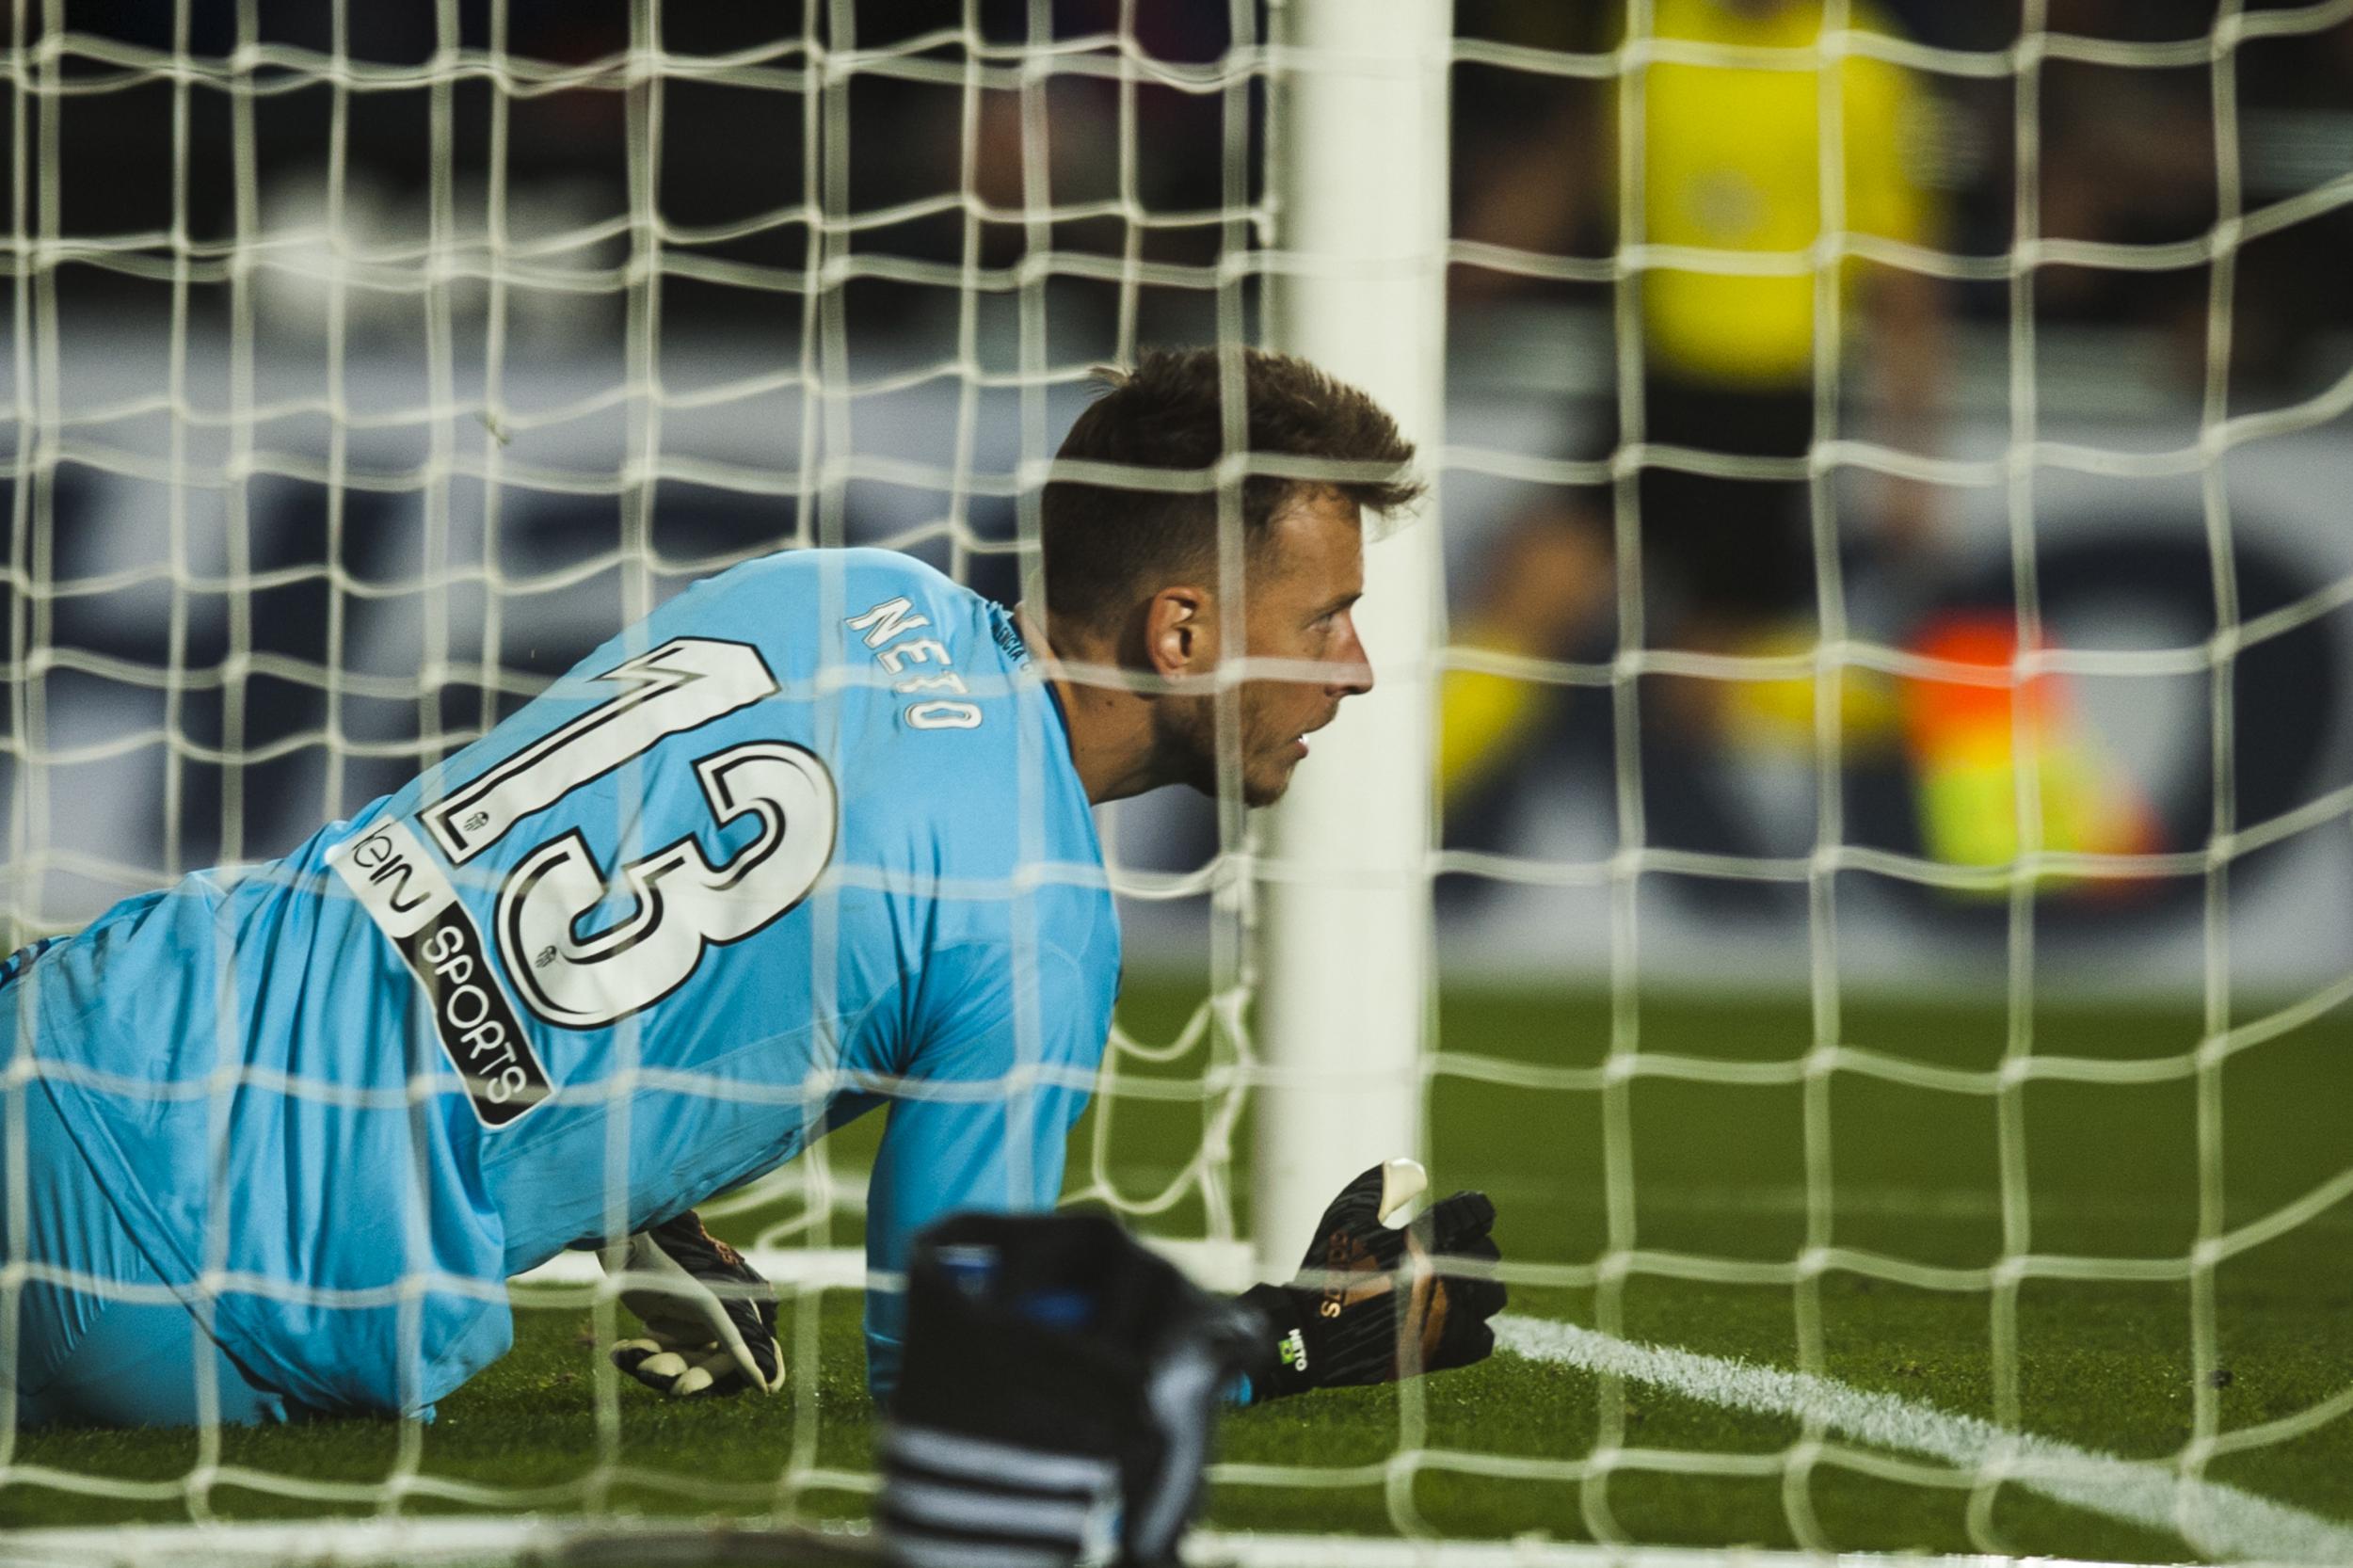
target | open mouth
[{"x": 1301, "y": 741}]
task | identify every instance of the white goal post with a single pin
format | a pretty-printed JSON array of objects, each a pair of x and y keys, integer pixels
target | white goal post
[{"x": 1357, "y": 285}]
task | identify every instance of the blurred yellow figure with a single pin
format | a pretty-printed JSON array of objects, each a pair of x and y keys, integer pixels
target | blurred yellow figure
[
  {"x": 1778, "y": 716},
  {"x": 1732, "y": 159}
]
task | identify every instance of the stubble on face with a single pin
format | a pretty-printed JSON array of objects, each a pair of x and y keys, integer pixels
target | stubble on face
[{"x": 1304, "y": 576}]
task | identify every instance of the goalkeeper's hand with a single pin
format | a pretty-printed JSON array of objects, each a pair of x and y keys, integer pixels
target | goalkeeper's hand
[
  {"x": 710, "y": 1319},
  {"x": 1372, "y": 1304}
]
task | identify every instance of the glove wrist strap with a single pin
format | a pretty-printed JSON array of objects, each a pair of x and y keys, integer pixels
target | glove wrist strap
[{"x": 1281, "y": 1359}]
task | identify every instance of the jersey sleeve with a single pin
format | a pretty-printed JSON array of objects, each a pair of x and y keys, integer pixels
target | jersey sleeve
[{"x": 1003, "y": 1064}]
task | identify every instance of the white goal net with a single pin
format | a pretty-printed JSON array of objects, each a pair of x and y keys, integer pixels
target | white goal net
[{"x": 1856, "y": 947}]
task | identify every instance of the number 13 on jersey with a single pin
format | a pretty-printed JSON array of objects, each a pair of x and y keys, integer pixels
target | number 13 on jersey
[{"x": 680, "y": 902}]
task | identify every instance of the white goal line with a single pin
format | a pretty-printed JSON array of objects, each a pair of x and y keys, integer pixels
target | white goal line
[{"x": 2223, "y": 1521}]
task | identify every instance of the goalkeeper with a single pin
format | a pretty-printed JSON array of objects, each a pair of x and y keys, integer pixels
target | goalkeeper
[{"x": 812, "y": 841}]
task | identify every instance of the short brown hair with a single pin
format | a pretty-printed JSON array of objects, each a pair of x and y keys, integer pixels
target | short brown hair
[{"x": 1101, "y": 540}]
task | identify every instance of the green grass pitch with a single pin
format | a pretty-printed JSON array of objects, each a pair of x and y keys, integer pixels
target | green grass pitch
[{"x": 1720, "y": 1171}]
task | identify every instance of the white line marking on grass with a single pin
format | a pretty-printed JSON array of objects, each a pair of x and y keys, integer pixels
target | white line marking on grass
[{"x": 2220, "y": 1520}]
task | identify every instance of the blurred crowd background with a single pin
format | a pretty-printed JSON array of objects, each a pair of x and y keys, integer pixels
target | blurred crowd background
[
  {"x": 1088, "y": 208},
  {"x": 2127, "y": 153}
]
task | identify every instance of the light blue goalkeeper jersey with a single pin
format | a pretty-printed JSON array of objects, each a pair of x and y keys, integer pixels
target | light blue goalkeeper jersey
[{"x": 808, "y": 840}]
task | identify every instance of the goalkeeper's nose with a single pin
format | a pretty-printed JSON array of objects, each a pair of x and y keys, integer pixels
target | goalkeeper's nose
[{"x": 1351, "y": 668}]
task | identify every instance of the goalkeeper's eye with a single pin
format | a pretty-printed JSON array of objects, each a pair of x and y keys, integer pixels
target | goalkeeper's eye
[{"x": 1332, "y": 613}]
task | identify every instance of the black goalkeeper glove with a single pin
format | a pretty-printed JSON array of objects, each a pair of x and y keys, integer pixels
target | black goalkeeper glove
[
  {"x": 710, "y": 1319},
  {"x": 1372, "y": 1304}
]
